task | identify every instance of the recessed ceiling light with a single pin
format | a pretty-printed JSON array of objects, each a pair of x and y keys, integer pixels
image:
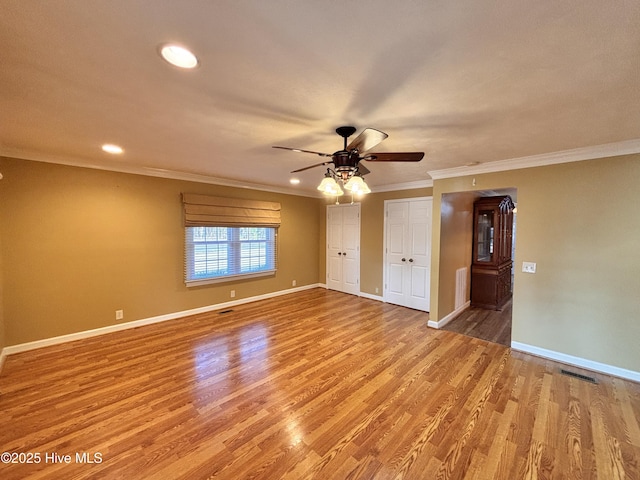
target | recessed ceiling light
[
  {"x": 113, "y": 149},
  {"x": 178, "y": 56},
  {"x": 294, "y": 181}
]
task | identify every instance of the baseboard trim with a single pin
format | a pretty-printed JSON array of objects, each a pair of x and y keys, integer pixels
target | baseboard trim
[
  {"x": 577, "y": 361},
  {"x": 24, "y": 347},
  {"x": 371, "y": 296},
  {"x": 447, "y": 318},
  {"x": 3, "y": 354},
  {"x": 360, "y": 294}
]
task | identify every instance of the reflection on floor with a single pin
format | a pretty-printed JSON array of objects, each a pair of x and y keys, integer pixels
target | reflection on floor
[{"x": 490, "y": 325}]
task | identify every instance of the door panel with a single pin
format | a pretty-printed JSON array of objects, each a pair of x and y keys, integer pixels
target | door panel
[
  {"x": 350, "y": 276},
  {"x": 334, "y": 273},
  {"x": 395, "y": 282},
  {"x": 419, "y": 239},
  {"x": 419, "y": 298}
]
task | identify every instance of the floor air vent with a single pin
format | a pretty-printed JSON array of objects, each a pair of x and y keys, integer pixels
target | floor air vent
[
  {"x": 225, "y": 311},
  {"x": 578, "y": 376}
]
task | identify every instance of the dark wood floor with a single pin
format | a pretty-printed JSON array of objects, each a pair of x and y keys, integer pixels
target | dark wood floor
[
  {"x": 312, "y": 385},
  {"x": 490, "y": 325}
]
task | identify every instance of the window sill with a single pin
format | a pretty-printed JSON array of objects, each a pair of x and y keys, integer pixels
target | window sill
[{"x": 228, "y": 278}]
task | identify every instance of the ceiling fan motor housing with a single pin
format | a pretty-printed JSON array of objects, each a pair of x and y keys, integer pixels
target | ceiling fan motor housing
[{"x": 345, "y": 163}]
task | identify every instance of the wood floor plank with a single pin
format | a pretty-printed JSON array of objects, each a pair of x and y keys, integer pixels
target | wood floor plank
[
  {"x": 490, "y": 325},
  {"x": 315, "y": 384}
]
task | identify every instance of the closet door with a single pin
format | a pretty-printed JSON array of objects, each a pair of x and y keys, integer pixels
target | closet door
[
  {"x": 419, "y": 254},
  {"x": 397, "y": 274},
  {"x": 407, "y": 267},
  {"x": 334, "y": 247},
  {"x": 343, "y": 248}
]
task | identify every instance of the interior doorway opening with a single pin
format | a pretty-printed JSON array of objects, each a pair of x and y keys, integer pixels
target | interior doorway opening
[{"x": 456, "y": 257}]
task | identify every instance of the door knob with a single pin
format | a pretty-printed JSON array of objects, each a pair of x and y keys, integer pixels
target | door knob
[
  {"x": 344, "y": 253},
  {"x": 404, "y": 259},
  {"x": 411, "y": 259},
  {"x": 339, "y": 253}
]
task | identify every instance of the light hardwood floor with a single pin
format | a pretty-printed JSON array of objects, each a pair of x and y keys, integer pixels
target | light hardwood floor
[
  {"x": 312, "y": 385},
  {"x": 491, "y": 325}
]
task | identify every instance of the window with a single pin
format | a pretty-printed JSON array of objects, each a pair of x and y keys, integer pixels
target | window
[{"x": 219, "y": 253}]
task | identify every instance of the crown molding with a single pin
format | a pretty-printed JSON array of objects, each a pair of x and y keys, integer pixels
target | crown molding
[
  {"x": 154, "y": 172},
  {"x": 190, "y": 177},
  {"x": 402, "y": 186},
  {"x": 627, "y": 147}
]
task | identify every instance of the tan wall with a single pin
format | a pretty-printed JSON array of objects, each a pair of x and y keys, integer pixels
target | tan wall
[
  {"x": 371, "y": 236},
  {"x": 78, "y": 244},
  {"x": 456, "y": 217},
  {"x": 579, "y": 223},
  {"x": 3, "y": 342}
]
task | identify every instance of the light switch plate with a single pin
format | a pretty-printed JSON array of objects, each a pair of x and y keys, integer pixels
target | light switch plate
[{"x": 529, "y": 267}]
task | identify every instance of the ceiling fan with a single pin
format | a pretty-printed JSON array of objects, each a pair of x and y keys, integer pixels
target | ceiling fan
[{"x": 346, "y": 162}]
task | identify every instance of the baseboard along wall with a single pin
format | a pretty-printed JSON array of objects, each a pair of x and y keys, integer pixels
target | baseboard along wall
[
  {"x": 23, "y": 347},
  {"x": 447, "y": 318},
  {"x": 521, "y": 347},
  {"x": 577, "y": 361}
]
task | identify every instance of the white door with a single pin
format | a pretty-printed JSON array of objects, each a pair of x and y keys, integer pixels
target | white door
[
  {"x": 408, "y": 252},
  {"x": 343, "y": 248},
  {"x": 397, "y": 274},
  {"x": 334, "y": 248},
  {"x": 420, "y": 254}
]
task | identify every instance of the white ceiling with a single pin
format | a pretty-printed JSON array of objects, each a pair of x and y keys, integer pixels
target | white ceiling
[{"x": 465, "y": 81}]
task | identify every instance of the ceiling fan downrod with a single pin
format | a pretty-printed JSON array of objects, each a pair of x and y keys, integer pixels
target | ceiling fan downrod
[{"x": 345, "y": 132}]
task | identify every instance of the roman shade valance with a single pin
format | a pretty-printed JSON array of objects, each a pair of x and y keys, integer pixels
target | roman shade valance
[{"x": 207, "y": 211}]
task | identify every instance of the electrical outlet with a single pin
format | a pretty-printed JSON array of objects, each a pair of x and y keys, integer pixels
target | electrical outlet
[
  {"x": 119, "y": 314},
  {"x": 294, "y": 283},
  {"x": 233, "y": 294},
  {"x": 529, "y": 267},
  {"x": 377, "y": 289}
]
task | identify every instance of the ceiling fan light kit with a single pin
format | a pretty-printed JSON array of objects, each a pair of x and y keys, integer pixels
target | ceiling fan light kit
[
  {"x": 346, "y": 162},
  {"x": 356, "y": 185},
  {"x": 329, "y": 186}
]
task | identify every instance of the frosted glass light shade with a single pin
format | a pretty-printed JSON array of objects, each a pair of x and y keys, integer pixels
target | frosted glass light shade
[
  {"x": 357, "y": 186},
  {"x": 329, "y": 186}
]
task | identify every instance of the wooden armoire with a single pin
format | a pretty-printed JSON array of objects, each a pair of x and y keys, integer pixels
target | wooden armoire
[{"x": 492, "y": 262}]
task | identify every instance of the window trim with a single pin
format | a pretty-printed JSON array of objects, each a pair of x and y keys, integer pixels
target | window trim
[{"x": 228, "y": 278}]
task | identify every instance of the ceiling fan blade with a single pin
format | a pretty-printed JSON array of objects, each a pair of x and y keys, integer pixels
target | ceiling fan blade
[
  {"x": 311, "y": 166},
  {"x": 369, "y": 138},
  {"x": 394, "y": 157},
  {"x": 362, "y": 170},
  {"x": 305, "y": 151}
]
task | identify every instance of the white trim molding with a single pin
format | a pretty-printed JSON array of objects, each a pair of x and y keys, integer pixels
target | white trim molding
[
  {"x": 403, "y": 186},
  {"x": 447, "y": 318},
  {"x": 191, "y": 177},
  {"x": 153, "y": 172},
  {"x": 627, "y": 147},
  {"x": 3, "y": 354},
  {"x": 370, "y": 296},
  {"x": 24, "y": 347},
  {"x": 577, "y": 361}
]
